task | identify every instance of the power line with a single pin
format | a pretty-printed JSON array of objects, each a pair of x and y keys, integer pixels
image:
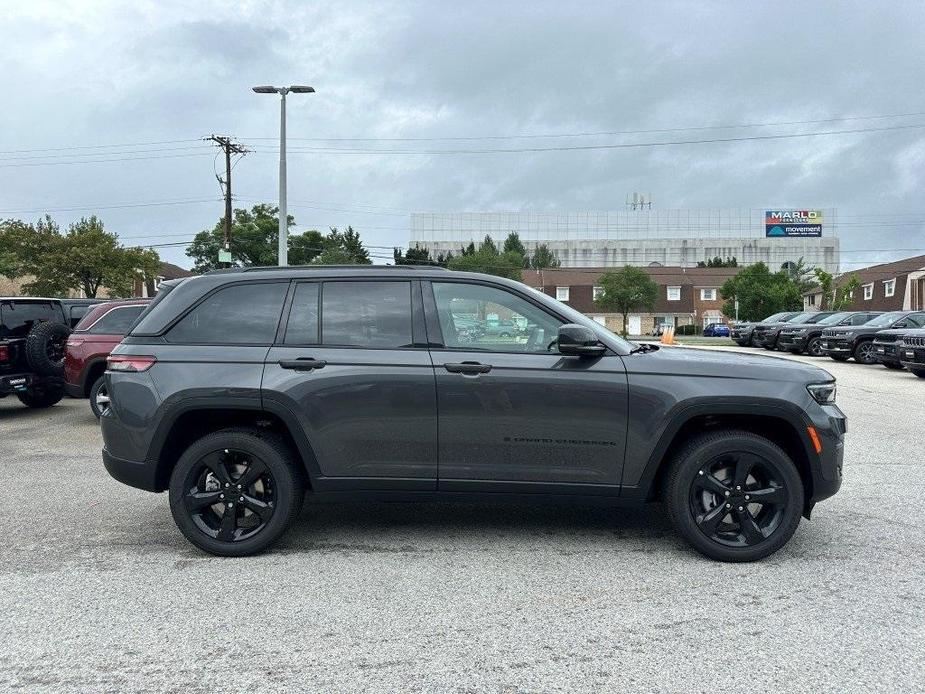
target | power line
[
  {"x": 596, "y": 133},
  {"x": 159, "y": 203},
  {"x": 573, "y": 148},
  {"x": 74, "y": 147},
  {"x": 102, "y": 161}
]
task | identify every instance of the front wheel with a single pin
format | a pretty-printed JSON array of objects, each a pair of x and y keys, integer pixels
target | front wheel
[
  {"x": 814, "y": 348},
  {"x": 235, "y": 492},
  {"x": 896, "y": 366},
  {"x": 734, "y": 496},
  {"x": 864, "y": 353},
  {"x": 838, "y": 357},
  {"x": 918, "y": 372}
]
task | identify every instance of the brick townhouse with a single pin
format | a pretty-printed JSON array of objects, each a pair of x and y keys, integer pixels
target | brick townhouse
[
  {"x": 685, "y": 295},
  {"x": 895, "y": 286}
]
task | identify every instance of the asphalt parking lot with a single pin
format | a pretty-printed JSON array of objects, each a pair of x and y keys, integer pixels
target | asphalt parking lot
[{"x": 99, "y": 591}]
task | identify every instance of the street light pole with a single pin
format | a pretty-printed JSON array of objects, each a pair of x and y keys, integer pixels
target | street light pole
[{"x": 283, "y": 242}]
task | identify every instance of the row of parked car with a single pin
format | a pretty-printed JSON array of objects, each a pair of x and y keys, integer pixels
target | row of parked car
[
  {"x": 49, "y": 347},
  {"x": 895, "y": 339}
]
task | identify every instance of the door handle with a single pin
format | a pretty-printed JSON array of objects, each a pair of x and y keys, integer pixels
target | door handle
[
  {"x": 303, "y": 364},
  {"x": 468, "y": 367}
]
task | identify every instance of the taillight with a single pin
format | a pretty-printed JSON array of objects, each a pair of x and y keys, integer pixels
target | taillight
[
  {"x": 4, "y": 353},
  {"x": 125, "y": 362}
]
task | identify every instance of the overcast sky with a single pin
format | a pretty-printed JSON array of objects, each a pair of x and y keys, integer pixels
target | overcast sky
[{"x": 88, "y": 74}]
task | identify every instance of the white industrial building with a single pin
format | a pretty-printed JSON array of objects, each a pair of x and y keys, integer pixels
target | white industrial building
[{"x": 641, "y": 237}]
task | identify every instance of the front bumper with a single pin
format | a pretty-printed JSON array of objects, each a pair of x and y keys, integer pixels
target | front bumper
[
  {"x": 912, "y": 357},
  {"x": 827, "y": 473},
  {"x": 886, "y": 352},
  {"x": 838, "y": 347},
  {"x": 791, "y": 341}
]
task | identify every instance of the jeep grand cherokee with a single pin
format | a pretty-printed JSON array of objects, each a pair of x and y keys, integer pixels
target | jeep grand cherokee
[{"x": 240, "y": 391}]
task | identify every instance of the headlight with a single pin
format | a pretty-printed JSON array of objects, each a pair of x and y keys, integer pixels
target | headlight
[{"x": 823, "y": 393}]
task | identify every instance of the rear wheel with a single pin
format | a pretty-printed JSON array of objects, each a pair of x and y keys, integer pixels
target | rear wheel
[
  {"x": 864, "y": 353},
  {"x": 234, "y": 492},
  {"x": 99, "y": 397},
  {"x": 734, "y": 496},
  {"x": 39, "y": 398},
  {"x": 918, "y": 372}
]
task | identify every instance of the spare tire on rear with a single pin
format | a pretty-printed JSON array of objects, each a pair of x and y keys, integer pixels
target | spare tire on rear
[{"x": 45, "y": 347}]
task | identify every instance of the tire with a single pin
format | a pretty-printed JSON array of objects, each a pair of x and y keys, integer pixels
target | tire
[
  {"x": 838, "y": 357},
  {"x": 752, "y": 342},
  {"x": 772, "y": 472},
  {"x": 45, "y": 346},
  {"x": 918, "y": 372},
  {"x": 864, "y": 353},
  {"x": 99, "y": 397},
  {"x": 39, "y": 398},
  {"x": 814, "y": 348},
  {"x": 279, "y": 490},
  {"x": 892, "y": 365}
]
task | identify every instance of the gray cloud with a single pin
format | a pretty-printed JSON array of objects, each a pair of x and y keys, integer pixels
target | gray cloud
[{"x": 98, "y": 74}]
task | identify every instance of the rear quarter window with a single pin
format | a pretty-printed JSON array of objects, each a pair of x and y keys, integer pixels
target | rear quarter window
[
  {"x": 116, "y": 321},
  {"x": 242, "y": 314}
]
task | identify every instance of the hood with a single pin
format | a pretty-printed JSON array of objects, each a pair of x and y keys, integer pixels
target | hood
[
  {"x": 841, "y": 329},
  {"x": 895, "y": 331},
  {"x": 686, "y": 361}
]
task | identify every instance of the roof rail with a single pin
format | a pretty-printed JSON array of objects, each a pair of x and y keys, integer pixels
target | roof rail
[{"x": 277, "y": 268}]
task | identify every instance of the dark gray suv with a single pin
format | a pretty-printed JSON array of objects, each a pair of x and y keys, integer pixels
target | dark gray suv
[{"x": 241, "y": 391}]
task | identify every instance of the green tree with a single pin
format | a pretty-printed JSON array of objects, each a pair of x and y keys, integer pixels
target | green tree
[
  {"x": 417, "y": 256},
  {"x": 488, "y": 260},
  {"x": 343, "y": 248},
  {"x": 513, "y": 244},
  {"x": 801, "y": 273},
  {"x": 254, "y": 237},
  {"x": 835, "y": 297},
  {"x": 86, "y": 259},
  {"x": 629, "y": 289},
  {"x": 760, "y": 293},
  {"x": 305, "y": 247},
  {"x": 543, "y": 258},
  {"x": 716, "y": 261}
]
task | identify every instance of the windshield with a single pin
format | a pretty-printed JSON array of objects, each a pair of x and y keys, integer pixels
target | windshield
[
  {"x": 800, "y": 318},
  {"x": 777, "y": 317},
  {"x": 885, "y": 320},
  {"x": 835, "y": 318},
  {"x": 581, "y": 319}
]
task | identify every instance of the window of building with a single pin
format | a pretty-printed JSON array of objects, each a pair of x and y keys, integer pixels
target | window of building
[
  {"x": 597, "y": 293},
  {"x": 708, "y": 295},
  {"x": 868, "y": 292},
  {"x": 562, "y": 293},
  {"x": 477, "y": 317},
  {"x": 302, "y": 327},
  {"x": 812, "y": 299},
  {"x": 117, "y": 321},
  {"x": 889, "y": 287},
  {"x": 366, "y": 314},
  {"x": 242, "y": 314},
  {"x": 674, "y": 293},
  {"x": 600, "y": 319}
]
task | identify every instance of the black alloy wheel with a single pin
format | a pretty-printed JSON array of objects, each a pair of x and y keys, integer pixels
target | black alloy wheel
[
  {"x": 864, "y": 353},
  {"x": 814, "y": 348},
  {"x": 734, "y": 495},
  {"x": 738, "y": 499},
  {"x": 894, "y": 365},
  {"x": 235, "y": 491},
  {"x": 230, "y": 495}
]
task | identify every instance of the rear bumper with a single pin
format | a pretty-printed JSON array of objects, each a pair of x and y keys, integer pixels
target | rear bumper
[
  {"x": 130, "y": 472},
  {"x": 21, "y": 382}
]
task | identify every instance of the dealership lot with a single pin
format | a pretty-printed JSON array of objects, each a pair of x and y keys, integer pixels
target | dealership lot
[{"x": 99, "y": 591}]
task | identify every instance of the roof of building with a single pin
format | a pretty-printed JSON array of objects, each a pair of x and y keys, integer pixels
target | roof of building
[
  {"x": 665, "y": 275},
  {"x": 169, "y": 271},
  {"x": 883, "y": 271}
]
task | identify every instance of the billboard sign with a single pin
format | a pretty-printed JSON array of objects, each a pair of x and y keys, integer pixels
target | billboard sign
[{"x": 792, "y": 223}]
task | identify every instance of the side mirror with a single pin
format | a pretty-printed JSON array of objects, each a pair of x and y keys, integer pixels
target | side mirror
[{"x": 577, "y": 340}]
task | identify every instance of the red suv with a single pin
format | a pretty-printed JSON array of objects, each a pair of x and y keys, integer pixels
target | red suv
[{"x": 93, "y": 339}]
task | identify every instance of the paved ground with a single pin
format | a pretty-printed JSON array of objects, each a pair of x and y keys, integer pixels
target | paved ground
[{"x": 99, "y": 592}]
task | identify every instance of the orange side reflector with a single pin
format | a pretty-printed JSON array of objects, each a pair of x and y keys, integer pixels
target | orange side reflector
[{"x": 814, "y": 437}]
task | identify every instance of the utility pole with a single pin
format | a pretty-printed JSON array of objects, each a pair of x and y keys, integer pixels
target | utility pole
[{"x": 229, "y": 147}]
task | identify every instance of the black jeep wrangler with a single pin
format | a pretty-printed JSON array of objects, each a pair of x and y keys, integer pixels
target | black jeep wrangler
[{"x": 33, "y": 332}]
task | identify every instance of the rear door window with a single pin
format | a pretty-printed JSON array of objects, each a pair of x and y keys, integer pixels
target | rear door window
[
  {"x": 117, "y": 321},
  {"x": 241, "y": 314},
  {"x": 17, "y": 318},
  {"x": 366, "y": 314}
]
